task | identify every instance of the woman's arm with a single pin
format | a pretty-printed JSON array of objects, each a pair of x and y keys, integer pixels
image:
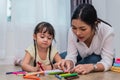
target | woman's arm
[
  {"x": 71, "y": 48},
  {"x": 107, "y": 50}
]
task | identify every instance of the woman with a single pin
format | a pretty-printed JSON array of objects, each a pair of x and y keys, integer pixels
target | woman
[{"x": 92, "y": 39}]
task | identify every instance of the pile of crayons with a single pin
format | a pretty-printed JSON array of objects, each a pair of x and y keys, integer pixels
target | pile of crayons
[
  {"x": 58, "y": 74},
  {"x": 33, "y": 75},
  {"x": 116, "y": 65}
]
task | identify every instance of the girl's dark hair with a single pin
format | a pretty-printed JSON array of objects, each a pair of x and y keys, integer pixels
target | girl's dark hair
[
  {"x": 87, "y": 13},
  {"x": 44, "y": 27}
]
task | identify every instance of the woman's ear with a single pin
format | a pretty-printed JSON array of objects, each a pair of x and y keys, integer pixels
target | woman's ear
[
  {"x": 96, "y": 22},
  {"x": 34, "y": 36}
]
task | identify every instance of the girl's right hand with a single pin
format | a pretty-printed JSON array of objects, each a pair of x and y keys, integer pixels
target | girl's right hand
[{"x": 37, "y": 68}]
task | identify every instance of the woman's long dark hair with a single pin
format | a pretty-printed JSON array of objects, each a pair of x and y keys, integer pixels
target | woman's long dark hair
[
  {"x": 48, "y": 28},
  {"x": 87, "y": 13}
]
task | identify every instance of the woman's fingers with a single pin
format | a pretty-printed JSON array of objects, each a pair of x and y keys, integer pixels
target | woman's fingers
[
  {"x": 83, "y": 69},
  {"x": 59, "y": 65},
  {"x": 65, "y": 65},
  {"x": 69, "y": 65}
]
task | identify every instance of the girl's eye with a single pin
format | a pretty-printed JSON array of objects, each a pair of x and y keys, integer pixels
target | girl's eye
[
  {"x": 42, "y": 36},
  {"x": 49, "y": 38}
]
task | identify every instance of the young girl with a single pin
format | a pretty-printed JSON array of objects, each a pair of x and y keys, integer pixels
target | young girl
[{"x": 42, "y": 50}]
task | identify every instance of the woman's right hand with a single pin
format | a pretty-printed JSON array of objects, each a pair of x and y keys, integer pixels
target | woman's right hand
[{"x": 65, "y": 65}]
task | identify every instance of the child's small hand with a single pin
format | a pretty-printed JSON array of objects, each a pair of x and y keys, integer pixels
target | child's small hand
[
  {"x": 46, "y": 67},
  {"x": 41, "y": 66},
  {"x": 36, "y": 68}
]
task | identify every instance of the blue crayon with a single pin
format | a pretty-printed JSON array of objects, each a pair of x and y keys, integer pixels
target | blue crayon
[
  {"x": 9, "y": 72},
  {"x": 57, "y": 76},
  {"x": 13, "y": 72}
]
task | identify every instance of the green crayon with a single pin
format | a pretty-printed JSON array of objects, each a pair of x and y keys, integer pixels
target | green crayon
[{"x": 68, "y": 75}]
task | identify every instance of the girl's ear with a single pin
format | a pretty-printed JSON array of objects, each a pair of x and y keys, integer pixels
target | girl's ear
[{"x": 34, "y": 36}]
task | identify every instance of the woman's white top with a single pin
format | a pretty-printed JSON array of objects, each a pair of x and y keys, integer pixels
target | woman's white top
[{"x": 102, "y": 44}]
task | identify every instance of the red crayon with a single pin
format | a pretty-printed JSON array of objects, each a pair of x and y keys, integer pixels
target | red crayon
[{"x": 40, "y": 66}]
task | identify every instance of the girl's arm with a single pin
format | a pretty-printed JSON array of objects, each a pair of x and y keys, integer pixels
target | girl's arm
[
  {"x": 26, "y": 63},
  {"x": 57, "y": 57}
]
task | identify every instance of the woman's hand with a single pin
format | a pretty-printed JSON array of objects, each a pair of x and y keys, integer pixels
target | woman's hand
[
  {"x": 83, "y": 68},
  {"x": 65, "y": 65}
]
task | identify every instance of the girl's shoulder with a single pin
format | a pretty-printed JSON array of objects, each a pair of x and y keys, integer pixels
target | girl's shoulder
[
  {"x": 30, "y": 49},
  {"x": 31, "y": 46},
  {"x": 54, "y": 48}
]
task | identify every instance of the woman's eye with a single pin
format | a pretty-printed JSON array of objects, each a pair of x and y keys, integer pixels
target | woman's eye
[
  {"x": 83, "y": 29},
  {"x": 74, "y": 28}
]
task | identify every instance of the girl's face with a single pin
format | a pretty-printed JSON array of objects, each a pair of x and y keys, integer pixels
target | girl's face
[
  {"x": 83, "y": 31},
  {"x": 44, "y": 40}
]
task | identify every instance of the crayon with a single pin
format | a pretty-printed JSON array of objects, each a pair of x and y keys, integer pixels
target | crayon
[
  {"x": 15, "y": 72},
  {"x": 40, "y": 66},
  {"x": 9, "y": 72},
  {"x": 31, "y": 77},
  {"x": 34, "y": 73},
  {"x": 56, "y": 71},
  {"x": 19, "y": 73},
  {"x": 68, "y": 74},
  {"x": 53, "y": 72},
  {"x": 57, "y": 76},
  {"x": 71, "y": 78}
]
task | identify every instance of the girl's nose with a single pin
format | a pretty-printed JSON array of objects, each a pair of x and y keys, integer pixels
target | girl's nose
[{"x": 45, "y": 39}]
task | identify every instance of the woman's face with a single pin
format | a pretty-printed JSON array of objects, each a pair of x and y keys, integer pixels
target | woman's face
[{"x": 83, "y": 31}]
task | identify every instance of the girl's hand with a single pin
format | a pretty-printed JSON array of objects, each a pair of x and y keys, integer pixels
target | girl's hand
[
  {"x": 40, "y": 66},
  {"x": 37, "y": 68},
  {"x": 46, "y": 67},
  {"x": 83, "y": 68}
]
